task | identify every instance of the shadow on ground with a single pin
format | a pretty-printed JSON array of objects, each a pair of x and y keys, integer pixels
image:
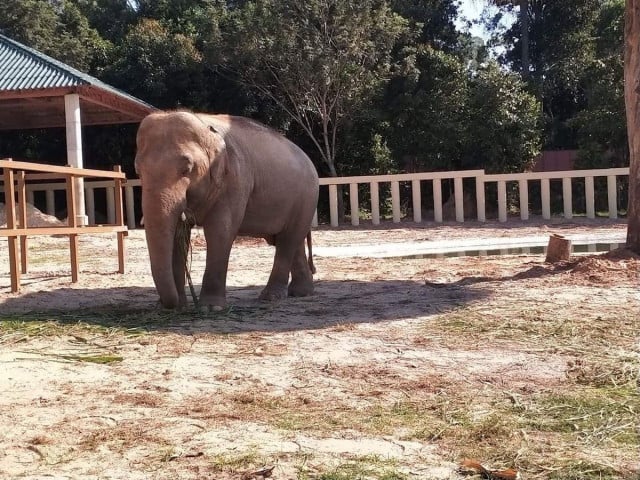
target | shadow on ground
[{"x": 334, "y": 303}]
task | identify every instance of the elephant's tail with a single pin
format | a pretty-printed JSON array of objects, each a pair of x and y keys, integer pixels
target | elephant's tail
[{"x": 312, "y": 267}]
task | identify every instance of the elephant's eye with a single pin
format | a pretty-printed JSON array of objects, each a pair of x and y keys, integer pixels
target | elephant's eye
[{"x": 186, "y": 165}]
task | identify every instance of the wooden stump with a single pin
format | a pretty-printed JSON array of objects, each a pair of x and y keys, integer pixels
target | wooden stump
[{"x": 558, "y": 249}]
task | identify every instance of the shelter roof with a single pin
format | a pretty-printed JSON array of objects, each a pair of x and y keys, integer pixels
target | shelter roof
[{"x": 33, "y": 86}]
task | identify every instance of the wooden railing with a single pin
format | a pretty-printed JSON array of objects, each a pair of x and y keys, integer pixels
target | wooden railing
[
  {"x": 414, "y": 184},
  {"x": 16, "y": 185}
]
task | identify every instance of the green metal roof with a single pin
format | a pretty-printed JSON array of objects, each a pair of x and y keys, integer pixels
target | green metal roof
[{"x": 23, "y": 68}]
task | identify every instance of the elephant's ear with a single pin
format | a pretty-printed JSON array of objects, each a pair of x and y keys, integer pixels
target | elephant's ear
[{"x": 218, "y": 154}]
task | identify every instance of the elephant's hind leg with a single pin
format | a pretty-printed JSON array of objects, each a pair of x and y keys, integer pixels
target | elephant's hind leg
[
  {"x": 276, "y": 288},
  {"x": 301, "y": 277}
]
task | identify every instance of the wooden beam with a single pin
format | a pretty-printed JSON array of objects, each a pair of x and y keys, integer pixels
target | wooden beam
[
  {"x": 81, "y": 172},
  {"x": 130, "y": 107}
]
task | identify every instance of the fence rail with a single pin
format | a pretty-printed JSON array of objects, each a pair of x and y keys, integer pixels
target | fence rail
[
  {"x": 17, "y": 190},
  {"x": 366, "y": 194}
]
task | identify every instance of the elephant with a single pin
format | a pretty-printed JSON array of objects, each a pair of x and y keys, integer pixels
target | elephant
[{"x": 232, "y": 176}]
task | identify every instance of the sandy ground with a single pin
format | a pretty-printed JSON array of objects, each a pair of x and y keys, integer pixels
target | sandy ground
[{"x": 164, "y": 411}]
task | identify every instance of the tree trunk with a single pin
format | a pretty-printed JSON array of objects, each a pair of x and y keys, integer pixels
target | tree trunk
[
  {"x": 524, "y": 37},
  {"x": 632, "y": 102},
  {"x": 558, "y": 249}
]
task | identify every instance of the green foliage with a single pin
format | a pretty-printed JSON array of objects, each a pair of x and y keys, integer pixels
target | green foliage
[
  {"x": 57, "y": 29},
  {"x": 576, "y": 72},
  {"x": 502, "y": 130},
  {"x": 319, "y": 61}
]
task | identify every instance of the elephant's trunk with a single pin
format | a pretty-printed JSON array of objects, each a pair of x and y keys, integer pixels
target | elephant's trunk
[{"x": 160, "y": 223}]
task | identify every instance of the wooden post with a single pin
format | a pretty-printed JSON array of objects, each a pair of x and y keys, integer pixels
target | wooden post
[
  {"x": 10, "y": 208},
  {"x": 558, "y": 249},
  {"x": 22, "y": 220},
  {"x": 72, "y": 220},
  {"x": 119, "y": 219}
]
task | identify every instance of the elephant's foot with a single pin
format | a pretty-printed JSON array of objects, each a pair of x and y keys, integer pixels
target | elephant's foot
[
  {"x": 211, "y": 303},
  {"x": 271, "y": 293},
  {"x": 300, "y": 289}
]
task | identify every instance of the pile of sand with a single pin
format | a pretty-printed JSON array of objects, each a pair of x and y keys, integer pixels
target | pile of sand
[{"x": 35, "y": 218}]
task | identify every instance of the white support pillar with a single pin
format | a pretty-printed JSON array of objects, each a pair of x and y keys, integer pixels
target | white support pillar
[
  {"x": 74, "y": 150},
  {"x": 523, "y": 187},
  {"x": 437, "y": 200},
  {"x": 502, "y": 201},
  {"x": 567, "y": 198},
  {"x": 355, "y": 206},
  {"x": 612, "y": 196},
  {"x": 545, "y": 193},
  {"x": 458, "y": 194},
  {"x": 375, "y": 203},
  {"x": 333, "y": 205},
  {"x": 480, "y": 200},
  {"x": 416, "y": 195},
  {"x": 590, "y": 197},
  {"x": 395, "y": 201}
]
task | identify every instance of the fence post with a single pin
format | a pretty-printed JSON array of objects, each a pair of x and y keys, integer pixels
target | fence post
[
  {"x": 72, "y": 221},
  {"x": 612, "y": 196},
  {"x": 119, "y": 220},
  {"x": 567, "y": 201},
  {"x": 416, "y": 195},
  {"x": 10, "y": 209},
  {"x": 523, "y": 187},
  {"x": 22, "y": 220},
  {"x": 437, "y": 200},
  {"x": 333, "y": 204},
  {"x": 130, "y": 203},
  {"x": 480, "y": 199},
  {"x": 111, "y": 207},
  {"x": 50, "y": 202},
  {"x": 458, "y": 193},
  {"x": 502, "y": 200},
  {"x": 395, "y": 201},
  {"x": 545, "y": 194},
  {"x": 375, "y": 203},
  {"x": 91, "y": 204},
  {"x": 353, "y": 201},
  {"x": 589, "y": 194}
]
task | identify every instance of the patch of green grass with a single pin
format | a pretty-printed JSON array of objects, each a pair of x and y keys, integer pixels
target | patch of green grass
[
  {"x": 236, "y": 462},
  {"x": 358, "y": 468},
  {"x": 592, "y": 415},
  {"x": 99, "y": 359},
  {"x": 581, "y": 470}
]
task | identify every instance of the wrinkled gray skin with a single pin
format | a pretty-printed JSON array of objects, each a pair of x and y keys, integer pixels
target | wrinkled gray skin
[{"x": 233, "y": 176}]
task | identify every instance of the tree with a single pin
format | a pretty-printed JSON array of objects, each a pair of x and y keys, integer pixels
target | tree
[
  {"x": 155, "y": 65},
  {"x": 632, "y": 102},
  {"x": 318, "y": 60},
  {"x": 57, "y": 29}
]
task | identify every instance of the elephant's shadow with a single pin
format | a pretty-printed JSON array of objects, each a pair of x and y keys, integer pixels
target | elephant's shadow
[{"x": 334, "y": 303}]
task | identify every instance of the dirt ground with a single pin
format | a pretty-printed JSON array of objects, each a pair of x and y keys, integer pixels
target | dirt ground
[{"x": 98, "y": 383}]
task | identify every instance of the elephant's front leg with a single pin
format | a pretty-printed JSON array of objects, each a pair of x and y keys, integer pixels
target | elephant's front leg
[
  {"x": 214, "y": 281},
  {"x": 181, "y": 246},
  {"x": 276, "y": 288}
]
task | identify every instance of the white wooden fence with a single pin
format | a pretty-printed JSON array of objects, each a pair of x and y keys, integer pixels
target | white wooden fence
[{"x": 416, "y": 182}]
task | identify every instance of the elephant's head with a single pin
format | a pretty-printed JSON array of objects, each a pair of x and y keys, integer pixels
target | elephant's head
[{"x": 181, "y": 163}]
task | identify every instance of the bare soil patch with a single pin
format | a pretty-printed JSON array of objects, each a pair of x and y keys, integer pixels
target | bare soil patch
[{"x": 396, "y": 368}]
